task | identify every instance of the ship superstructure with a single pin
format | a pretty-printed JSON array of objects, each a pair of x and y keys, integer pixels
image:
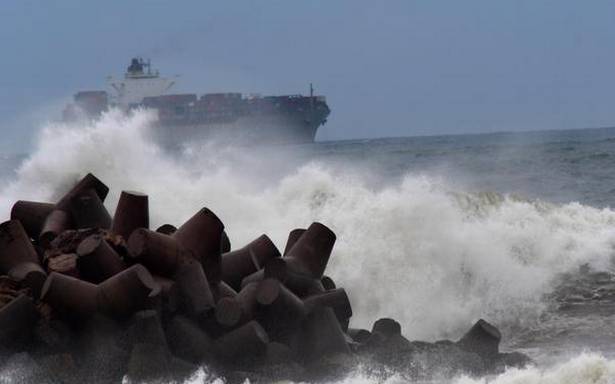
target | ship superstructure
[
  {"x": 228, "y": 117},
  {"x": 138, "y": 83}
]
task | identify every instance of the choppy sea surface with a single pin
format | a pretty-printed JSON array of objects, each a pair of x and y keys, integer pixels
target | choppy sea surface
[{"x": 436, "y": 232}]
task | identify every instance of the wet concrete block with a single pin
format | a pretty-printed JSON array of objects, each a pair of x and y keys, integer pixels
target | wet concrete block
[
  {"x": 281, "y": 310},
  {"x": 15, "y": 246},
  {"x": 278, "y": 353},
  {"x": 313, "y": 249},
  {"x": 238, "y": 264},
  {"x": 132, "y": 212},
  {"x": 387, "y": 328},
  {"x": 88, "y": 211},
  {"x": 166, "y": 229},
  {"x": 97, "y": 260},
  {"x": 98, "y": 353},
  {"x": 328, "y": 283},
  {"x": 69, "y": 296},
  {"x": 127, "y": 292},
  {"x": 247, "y": 342},
  {"x": 181, "y": 370},
  {"x": 159, "y": 252},
  {"x": 146, "y": 328},
  {"x": 106, "y": 363},
  {"x": 482, "y": 339},
  {"x": 228, "y": 312},
  {"x": 60, "y": 218},
  {"x": 56, "y": 222},
  {"x": 359, "y": 335},
  {"x": 32, "y": 215},
  {"x": 240, "y": 309},
  {"x": 253, "y": 278},
  {"x": 188, "y": 341},
  {"x": 321, "y": 335},
  {"x": 89, "y": 181},
  {"x": 293, "y": 236},
  {"x": 336, "y": 299},
  {"x": 29, "y": 275},
  {"x": 17, "y": 319},
  {"x": 201, "y": 236},
  {"x": 221, "y": 290},
  {"x": 195, "y": 293},
  {"x": 169, "y": 298},
  {"x": 225, "y": 245},
  {"x": 53, "y": 336},
  {"x": 148, "y": 363},
  {"x": 293, "y": 276}
]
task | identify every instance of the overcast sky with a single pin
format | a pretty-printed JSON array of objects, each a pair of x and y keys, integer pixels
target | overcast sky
[{"x": 388, "y": 68}]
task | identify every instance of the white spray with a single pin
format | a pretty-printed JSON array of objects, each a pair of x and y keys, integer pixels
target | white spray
[{"x": 436, "y": 259}]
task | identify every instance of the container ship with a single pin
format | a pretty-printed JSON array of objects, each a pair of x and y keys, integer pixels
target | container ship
[{"x": 225, "y": 117}]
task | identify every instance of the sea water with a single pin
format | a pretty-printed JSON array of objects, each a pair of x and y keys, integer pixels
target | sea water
[{"x": 436, "y": 232}]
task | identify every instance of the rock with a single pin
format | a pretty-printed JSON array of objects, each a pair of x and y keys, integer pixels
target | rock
[
  {"x": 387, "y": 328},
  {"x": 482, "y": 339}
]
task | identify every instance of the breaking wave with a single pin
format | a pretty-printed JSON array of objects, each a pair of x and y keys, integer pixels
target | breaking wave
[
  {"x": 587, "y": 368},
  {"x": 417, "y": 249}
]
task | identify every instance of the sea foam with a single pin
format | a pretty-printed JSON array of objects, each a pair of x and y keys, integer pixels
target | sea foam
[{"x": 587, "y": 368}]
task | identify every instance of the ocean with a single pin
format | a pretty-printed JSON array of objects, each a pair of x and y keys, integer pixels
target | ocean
[{"x": 436, "y": 232}]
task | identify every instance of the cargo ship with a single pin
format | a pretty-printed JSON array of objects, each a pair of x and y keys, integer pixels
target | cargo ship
[{"x": 224, "y": 117}]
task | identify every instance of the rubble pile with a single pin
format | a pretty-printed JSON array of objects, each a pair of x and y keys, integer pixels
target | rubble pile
[{"x": 86, "y": 296}]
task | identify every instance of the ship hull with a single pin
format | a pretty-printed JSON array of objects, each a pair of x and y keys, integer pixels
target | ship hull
[{"x": 248, "y": 130}]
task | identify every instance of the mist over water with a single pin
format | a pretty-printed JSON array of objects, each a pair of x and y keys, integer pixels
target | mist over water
[{"x": 436, "y": 244}]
